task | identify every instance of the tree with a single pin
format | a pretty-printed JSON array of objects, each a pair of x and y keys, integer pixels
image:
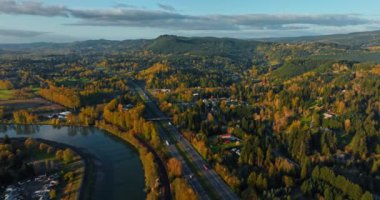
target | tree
[
  {"x": 367, "y": 196},
  {"x": 315, "y": 119},
  {"x": 288, "y": 181},
  {"x": 24, "y": 117},
  {"x": 43, "y": 147},
  {"x": 59, "y": 154},
  {"x": 347, "y": 125},
  {"x": 2, "y": 110},
  {"x": 150, "y": 167},
  {"x": 69, "y": 176},
  {"x": 304, "y": 168},
  {"x": 88, "y": 115},
  {"x": 5, "y": 85},
  {"x": 328, "y": 194},
  {"x": 232, "y": 180},
  {"x": 53, "y": 194},
  {"x": 174, "y": 167},
  {"x": 64, "y": 96},
  {"x": 182, "y": 190},
  {"x": 210, "y": 118},
  {"x": 262, "y": 182},
  {"x": 30, "y": 143},
  {"x": 342, "y": 183},
  {"x": 341, "y": 106},
  {"x": 68, "y": 155},
  {"x": 251, "y": 180}
]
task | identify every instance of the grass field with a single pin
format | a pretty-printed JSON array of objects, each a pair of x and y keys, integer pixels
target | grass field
[
  {"x": 37, "y": 105},
  {"x": 6, "y": 94},
  {"x": 73, "y": 82}
]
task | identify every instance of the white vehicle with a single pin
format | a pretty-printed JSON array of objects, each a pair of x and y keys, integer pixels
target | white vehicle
[
  {"x": 169, "y": 123},
  {"x": 167, "y": 143}
]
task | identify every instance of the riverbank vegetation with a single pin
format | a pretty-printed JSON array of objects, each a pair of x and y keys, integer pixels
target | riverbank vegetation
[
  {"x": 150, "y": 169},
  {"x": 130, "y": 125},
  {"x": 180, "y": 188}
]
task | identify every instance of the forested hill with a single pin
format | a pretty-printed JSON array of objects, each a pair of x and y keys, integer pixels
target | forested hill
[{"x": 202, "y": 46}]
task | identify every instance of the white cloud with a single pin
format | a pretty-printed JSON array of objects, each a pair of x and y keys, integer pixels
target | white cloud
[{"x": 167, "y": 20}]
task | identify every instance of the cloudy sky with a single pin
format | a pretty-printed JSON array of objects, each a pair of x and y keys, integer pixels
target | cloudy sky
[{"x": 24, "y": 21}]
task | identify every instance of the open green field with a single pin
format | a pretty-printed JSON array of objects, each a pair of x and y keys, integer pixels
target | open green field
[
  {"x": 72, "y": 82},
  {"x": 6, "y": 94}
]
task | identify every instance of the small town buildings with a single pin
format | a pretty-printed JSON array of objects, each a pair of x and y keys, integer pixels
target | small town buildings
[{"x": 63, "y": 115}]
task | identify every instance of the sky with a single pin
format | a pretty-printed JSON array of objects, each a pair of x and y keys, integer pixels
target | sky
[{"x": 25, "y": 21}]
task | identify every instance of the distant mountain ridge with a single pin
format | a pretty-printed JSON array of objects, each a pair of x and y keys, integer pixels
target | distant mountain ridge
[
  {"x": 166, "y": 44},
  {"x": 358, "y": 39},
  {"x": 171, "y": 44}
]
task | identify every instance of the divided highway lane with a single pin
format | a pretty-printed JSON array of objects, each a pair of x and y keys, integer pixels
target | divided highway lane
[
  {"x": 192, "y": 181},
  {"x": 219, "y": 187},
  {"x": 217, "y": 184},
  {"x": 187, "y": 172}
]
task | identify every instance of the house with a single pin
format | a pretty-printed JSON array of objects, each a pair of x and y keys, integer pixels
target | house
[
  {"x": 165, "y": 90},
  {"x": 54, "y": 183},
  {"x": 128, "y": 106},
  {"x": 225, "y": 136},
  {"x": 230, "y": 138},
  {"x": 328, "y": 115},
  {"x": 235, "y": 150}
]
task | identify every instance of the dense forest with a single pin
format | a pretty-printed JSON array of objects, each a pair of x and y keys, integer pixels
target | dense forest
[{"x": 275, "y": 119}]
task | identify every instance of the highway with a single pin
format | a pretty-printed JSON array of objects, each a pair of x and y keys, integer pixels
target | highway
[{"x": 198, "y": 168}]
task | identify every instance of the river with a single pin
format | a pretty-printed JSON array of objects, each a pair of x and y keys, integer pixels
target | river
[{"x": 119, "y": 172}]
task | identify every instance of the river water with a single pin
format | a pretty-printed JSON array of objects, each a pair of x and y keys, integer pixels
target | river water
[{"x": 119, "y": 171}]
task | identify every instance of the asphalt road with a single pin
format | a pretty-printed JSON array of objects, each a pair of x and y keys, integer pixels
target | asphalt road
[{"x": 200, "y": 168}]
